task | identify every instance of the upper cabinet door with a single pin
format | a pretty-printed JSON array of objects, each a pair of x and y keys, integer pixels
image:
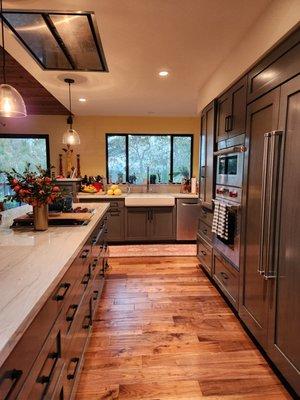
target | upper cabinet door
[
  {"x": 223, "y": 117},
  {"x": 237, "y": 119},
  {"x": 206, "y": 170},
  {"x": 284, "y": 342},
  {"x": 231, "y": 118},
  {"x": 281, "y": 64}
]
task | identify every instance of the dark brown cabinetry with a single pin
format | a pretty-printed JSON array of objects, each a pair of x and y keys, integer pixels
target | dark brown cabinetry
[
  {"x": 227, "y": 278},
  {"x": 270, "y": 300},
  {"x": 150, "y": 223},
  {"x": 262, "y": 117},
  {"x": 231, "y": 111},
  {"x": 204, "y": 254},
  {"x": 206, "y": 167},
  {"x": 46, "y": 362},
  {"x": 281, "y": 64}
]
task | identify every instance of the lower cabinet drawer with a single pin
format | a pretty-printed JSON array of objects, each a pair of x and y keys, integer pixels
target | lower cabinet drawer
[
  {"x": 204, "y": 254},
  {"x": 227, "y": 278},
  {"x": 43, "y": 376},
  {"x": 204, "y": 231},
  {"x": 206, "y": 215}
]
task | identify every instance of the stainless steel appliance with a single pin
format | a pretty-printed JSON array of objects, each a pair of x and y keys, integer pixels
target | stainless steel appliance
[
  {"x": 230, "y": 166},
  {"x": 229, "y": 180},
  {"x": 187, "y": 219}
]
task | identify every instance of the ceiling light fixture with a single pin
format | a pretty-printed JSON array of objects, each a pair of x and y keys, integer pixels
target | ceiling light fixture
[
  {"x": 11, "y": 102},
  {"x": 70, "y": 136},
  {"x": 163, "y": 73},
  {"x": 82, "y": 100}
]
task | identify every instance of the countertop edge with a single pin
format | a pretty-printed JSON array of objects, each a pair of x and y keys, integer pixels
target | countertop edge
[{"x": 16, "y": 336}]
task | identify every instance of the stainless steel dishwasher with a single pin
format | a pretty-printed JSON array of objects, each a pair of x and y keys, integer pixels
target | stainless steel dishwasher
[{"x": 187, "y": 219}]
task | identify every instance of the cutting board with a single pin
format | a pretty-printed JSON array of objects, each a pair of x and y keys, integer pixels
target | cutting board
[{"x": 54, "y": 219}]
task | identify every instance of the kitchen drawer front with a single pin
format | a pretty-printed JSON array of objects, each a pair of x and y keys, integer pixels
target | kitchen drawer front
[
  {"x": 206, "y": 216},
  {"x": 76, "y": 346},
  {"x": 204, "y": 254},
  {"x": 205, "y": 232},
  {"x": 46, "y": 370},
  {"x": 227, "y": 278},
  {"x": 116, "y": 204}
]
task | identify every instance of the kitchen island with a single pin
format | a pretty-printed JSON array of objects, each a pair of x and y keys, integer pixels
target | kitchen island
[{"x": 32, "y": 265}]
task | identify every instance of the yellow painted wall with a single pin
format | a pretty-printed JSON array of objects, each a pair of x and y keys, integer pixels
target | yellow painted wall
[{"x": 92, "y": 131}]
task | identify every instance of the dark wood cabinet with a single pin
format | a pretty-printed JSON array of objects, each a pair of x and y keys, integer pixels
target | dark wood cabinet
[
  {"x": 204, "y": 254},
  {"x": 231, "y": 111},
  {"x": 46, "y": 362},
  {"x": 262, "y": 117},
  {"x": 280, "y": 65},
  {"x": 284, "y": 310},
  {"x": 269, "y": 295},
  {"x": 150, "y": 223},
  {"x": 163, "y": 223},
  {"x": 206, "y": 166},
  {"x": 226, "y": 277},
  {"x": 116, "y": 222}
]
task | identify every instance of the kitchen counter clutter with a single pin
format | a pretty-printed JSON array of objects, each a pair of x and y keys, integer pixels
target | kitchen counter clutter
[
  {"x": 83, "y": 196},
  {"x": 32, "y": 266}
]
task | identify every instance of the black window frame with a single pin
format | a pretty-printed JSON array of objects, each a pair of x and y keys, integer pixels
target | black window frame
[{"x": 172, "y": 136}]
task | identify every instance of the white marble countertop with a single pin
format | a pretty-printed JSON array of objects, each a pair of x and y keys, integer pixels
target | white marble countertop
[
  {"x": 31, "y": 265},
  {"x": 123, "y": 195}
]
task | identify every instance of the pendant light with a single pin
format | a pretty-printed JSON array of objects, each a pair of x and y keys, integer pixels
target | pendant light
[
  {"x": 11, "y": 102},
  {"x": 70, "y": 136}
]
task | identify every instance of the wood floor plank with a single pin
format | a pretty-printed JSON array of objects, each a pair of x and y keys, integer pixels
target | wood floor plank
[{"x": 163, "y": 332}]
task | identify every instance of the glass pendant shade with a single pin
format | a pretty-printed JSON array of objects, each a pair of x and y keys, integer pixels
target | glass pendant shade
[
  {"x": 71, "y": 137},
  {"x": 11, "y": 102}
]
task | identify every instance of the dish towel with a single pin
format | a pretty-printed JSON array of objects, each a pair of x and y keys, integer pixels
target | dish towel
[{"x": 220, "y": 220}]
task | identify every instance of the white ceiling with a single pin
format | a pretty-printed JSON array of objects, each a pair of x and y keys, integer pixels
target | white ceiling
[{"x": 190, "y": 38}]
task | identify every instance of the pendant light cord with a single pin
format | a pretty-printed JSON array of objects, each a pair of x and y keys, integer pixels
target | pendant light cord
[
  {"x": 3, "y": 46},
  {"x": 70, "y": 105}
]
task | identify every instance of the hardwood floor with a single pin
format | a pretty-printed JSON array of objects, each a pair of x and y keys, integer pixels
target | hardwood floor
[{"x": 163, "y": 332}]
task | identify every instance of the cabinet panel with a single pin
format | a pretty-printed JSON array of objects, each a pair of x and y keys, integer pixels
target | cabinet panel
[
  {"x": 137, "y": 223},
  {"x": 115, "y": 224},
  {"x": 207, "y": 141},
  {"x": 262, "y": 117},
  {"x": 281, "y": 64},
  {"x": 163, "y": 223},
  {"x": 224, "y": 110},
  {"x": 284, "y": 343},
  {"x": 204, "y": 254},
  {"x": 227, "y": 278},
  {"x": 238, "y": 115}
]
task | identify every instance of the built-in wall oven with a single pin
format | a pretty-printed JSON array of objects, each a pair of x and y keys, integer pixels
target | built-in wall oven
[{"x": 228, "y": 192}]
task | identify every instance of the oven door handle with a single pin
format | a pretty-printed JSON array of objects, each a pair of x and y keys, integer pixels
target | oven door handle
[{"x": 231, "y": 150}]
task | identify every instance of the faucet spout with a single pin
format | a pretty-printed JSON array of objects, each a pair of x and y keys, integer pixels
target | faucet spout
[{"x": 148, "y": 179}]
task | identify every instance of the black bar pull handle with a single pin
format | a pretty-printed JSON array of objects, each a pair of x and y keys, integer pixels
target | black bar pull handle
[
  {"x": 203, "y": 252},
  {"x": 74, "y": 361},
  {"x": 70, "y": 314},
  {"x": 8, "y": 382},
  {"x": 60, "y": 296}
]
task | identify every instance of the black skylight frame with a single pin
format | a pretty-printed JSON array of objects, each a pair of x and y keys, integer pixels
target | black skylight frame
[{"x": 46, "y": 17}]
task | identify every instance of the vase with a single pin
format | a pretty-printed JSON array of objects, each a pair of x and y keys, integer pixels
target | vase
[{"x": 40, "y": 217}]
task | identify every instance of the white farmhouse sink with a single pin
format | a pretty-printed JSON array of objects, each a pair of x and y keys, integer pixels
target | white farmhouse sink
[{"x": 149, "y": 200}]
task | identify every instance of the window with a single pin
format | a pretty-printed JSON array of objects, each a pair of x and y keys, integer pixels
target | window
[
  {"x": 16, "y": 151},
  {"x": 168, "y": 157}
]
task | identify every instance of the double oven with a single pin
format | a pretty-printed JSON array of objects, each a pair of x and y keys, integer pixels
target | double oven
[{"x": 228, "y": 191}]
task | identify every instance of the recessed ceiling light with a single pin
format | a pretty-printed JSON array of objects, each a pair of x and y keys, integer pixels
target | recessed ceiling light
[
  {"x": 163, "y": 73},
  {"x": 82, "y": 100}
]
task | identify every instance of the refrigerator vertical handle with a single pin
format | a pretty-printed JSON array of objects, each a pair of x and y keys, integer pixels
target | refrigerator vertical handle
[
  {"x": 275, "y": 150},
  {"x": 261, "y": 263}
]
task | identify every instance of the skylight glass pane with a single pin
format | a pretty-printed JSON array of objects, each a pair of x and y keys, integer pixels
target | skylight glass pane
[
  {"x": 77, "y": 36},
  {"x": 33, "y": 30},
  {"x": 182, "y": 153},
  {"x": 149, "y": 151}
]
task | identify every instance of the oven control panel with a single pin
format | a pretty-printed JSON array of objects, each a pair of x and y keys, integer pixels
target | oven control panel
[{"x": 229, "y": 193}]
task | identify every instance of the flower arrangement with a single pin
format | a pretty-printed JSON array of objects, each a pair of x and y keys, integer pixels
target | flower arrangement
[{"x": 34, "y": 188}]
